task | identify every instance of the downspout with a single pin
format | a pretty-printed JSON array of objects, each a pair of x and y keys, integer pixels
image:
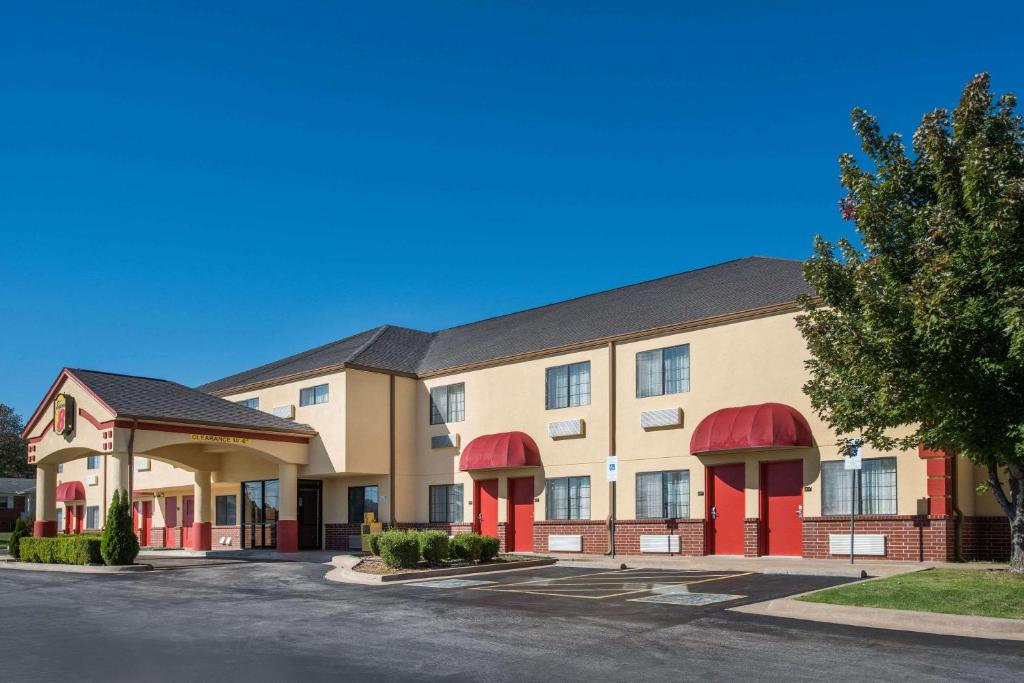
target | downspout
[
  {"x": 958, "y": 516},
  {"x": 391, "y": 448},
  {"x": 611, "y": 446},
  {"x": 131, "y": 470}
]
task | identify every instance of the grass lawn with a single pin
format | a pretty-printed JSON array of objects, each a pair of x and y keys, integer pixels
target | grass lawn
[
  {"x": 949, "y": 591},
  {"x": 4, "y": 537}
]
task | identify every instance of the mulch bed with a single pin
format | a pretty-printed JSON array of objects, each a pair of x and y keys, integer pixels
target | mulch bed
[{"x": 372, "y": 564}]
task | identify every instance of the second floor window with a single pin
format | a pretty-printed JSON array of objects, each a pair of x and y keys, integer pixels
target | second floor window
[
  {"x": 568, "y": 385},
  {"x": 446, "y": 503},
  {"x": 448, "y": 403},
  {"x": 568, "y": 498},
  {"x": 92, "y": 463},
  {"x": 663, "y": 495},
  {"x": 313, "y": 395},
  {"x": 250, "y": 403},
  {"x": 663, "y": 371}
]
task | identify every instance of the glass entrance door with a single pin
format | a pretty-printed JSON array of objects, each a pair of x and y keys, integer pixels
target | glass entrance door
[{"x": 260, "y": 505}]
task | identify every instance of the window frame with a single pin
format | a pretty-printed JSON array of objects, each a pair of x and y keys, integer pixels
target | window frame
[
  {"x": 838, "y": 465},
  {"x": 348, "y": 500},
  {"x": 664, "y": 494},
  {"x": 217, "y": 517},
  {"x": 664, "y": 379},
  {"x": 316, "y": 395},
  {"x": 90, "y": 459},
  {"x": 92, "y": 510},
  {"x": 449, "y": 501},
  {"x": 448, "y": 417},
  {"x": 548, "y": 486},
  {"x": 567, "y": 367},
  {"x": 253, "y": 402}
]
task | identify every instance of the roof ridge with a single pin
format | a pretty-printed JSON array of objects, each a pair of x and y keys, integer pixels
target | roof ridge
[
  {"x": 118, "y": 374},
  {"x": 603, "y": 291},
  {"x": 368, "y": 343}
]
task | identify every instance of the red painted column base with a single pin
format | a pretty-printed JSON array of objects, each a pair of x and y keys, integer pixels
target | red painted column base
[
  {"x": 41, "y": 528},
  {"x": 287, "y": 535},
  {"x": 202, "y": 536}
]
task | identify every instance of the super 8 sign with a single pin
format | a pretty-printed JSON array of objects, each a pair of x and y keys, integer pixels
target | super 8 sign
[{"x": 63, "y": 414}]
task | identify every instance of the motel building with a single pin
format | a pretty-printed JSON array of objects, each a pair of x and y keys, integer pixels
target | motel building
[{"x": 693, "y": 382}]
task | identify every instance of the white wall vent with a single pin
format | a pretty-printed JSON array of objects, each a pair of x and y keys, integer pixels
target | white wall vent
[
  {"x": 286, "y": 412},
  {"x": 91, "y": 480},
  {"x": 566, "y": 428},
  {"x": 565, "y": 544},
  {"x": 863, "y": 544},
  {"x": 659, "y": 544},
  {"x": 444, "y": 441},
  {"x": 659, "y": 419}
]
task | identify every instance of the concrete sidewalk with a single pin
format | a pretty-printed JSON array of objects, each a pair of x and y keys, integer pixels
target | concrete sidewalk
[
  {"x": 314, "y": 556},
  {"x": 762, "y": 565}
]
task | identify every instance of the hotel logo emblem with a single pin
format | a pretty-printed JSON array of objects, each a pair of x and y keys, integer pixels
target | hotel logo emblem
[{"x": 63, "y": 414}]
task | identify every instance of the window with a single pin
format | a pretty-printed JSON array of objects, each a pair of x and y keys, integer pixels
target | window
[
  {"x": 568, "y": 498},
  {"x": 568, "y": 385},
  {"x": 92, "y": 463},
  {"x": 6, "y": 502},
  {"x": 254, "y": 403},
  {"x": 313, "y": 395},
  {"x": 362, "y": 499},
  {"x": 60, "y": 520},
  {"x": 876, "y": 487},
  {"x": 92, "y": 517},
  {"x": 663, "y": 371},
  {"x": 225, "y": 510},
  {"x": 143, "y": 464},
  {"x": 446, "y": 503},
  {"x": 60, "y": 468},
  {"x": 448, "y": 403},
  {"x": 663, "y": 495}
]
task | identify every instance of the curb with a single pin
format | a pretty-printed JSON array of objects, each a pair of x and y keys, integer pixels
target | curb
[
  {"x": 74, "y": 568},
  {"x": 344, "y": 572}
]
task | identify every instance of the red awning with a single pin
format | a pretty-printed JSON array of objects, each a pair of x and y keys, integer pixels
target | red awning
[
  {"x": 767, "y": 425},
  {"x": 70, "y": 490},
  {"x": 499, "y": 451}
]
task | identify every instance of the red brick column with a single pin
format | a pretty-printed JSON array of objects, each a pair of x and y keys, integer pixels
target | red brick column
[
  {"x": 752, "y": 537},
  {"x": 502, "y": 536},
  {"x": 940, "y": 481},
  {"x": 156, "y": 537}
]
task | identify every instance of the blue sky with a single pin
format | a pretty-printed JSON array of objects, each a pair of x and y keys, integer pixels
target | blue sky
[{"x": 187, "y": 191}]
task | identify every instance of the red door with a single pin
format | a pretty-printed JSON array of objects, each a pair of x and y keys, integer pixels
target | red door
[
  {"x": 187, "y": 515},
  {"x": 782, "y": 507},
  {"x": 79, "y": 518},
  {"x": 726, "y": 503},
  {"x": 170, "y": 521},
  {"x": 485, "y": 507},
  {"x": 520, "y": 514},
  {"x": 144, "y": 525},
  {"x": 68, "y": 512}
]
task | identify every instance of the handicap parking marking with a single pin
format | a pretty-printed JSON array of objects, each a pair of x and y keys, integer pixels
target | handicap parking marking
[{"x": 690, "y": 599}]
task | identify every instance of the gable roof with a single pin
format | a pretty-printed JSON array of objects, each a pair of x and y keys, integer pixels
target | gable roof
[
  {"x": 738, "y": 286},
  {"x": 147, "y": 398}
]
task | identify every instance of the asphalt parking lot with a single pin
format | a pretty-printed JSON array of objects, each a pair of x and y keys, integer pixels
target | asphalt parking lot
[{"x": 199, "y": 620}]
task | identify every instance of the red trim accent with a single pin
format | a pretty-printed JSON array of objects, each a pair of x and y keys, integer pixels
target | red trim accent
[
  {"x": 57, "y": 385},
  {"x": 202, "y": 535},
  {"x": 763, "y": 426},
  {"x": 198, "y": 428},
  {"x": 37, "y": 439},
  {"x": 93, "y": 421},
  {"x": 499, "y": 451},
  {"x": 70, "y": 490},
  {"x": 41, "y": 528},
  {"x": 287, "y": 535}
]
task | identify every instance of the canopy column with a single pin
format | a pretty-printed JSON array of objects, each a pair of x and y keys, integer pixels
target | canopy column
[
  {"x": 202, "y": 527},
  {"x": 46, "y": 501},
  {"x": 287, "y": 521}
]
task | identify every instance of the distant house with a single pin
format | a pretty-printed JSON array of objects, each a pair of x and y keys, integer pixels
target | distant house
[{"x": 17, "y": 498}]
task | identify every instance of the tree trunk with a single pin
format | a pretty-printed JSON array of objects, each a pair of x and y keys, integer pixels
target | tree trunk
[{"x": 1017, "y": 528}]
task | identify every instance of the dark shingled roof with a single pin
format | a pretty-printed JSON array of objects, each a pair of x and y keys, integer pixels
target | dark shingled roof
[
  {"x": 16, "y": 486},
  {"x": 730, "y": 287},
  {"x": 158, "y": 399}
]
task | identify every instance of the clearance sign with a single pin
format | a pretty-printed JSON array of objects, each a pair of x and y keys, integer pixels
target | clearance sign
[{"x": 213, "y": 438}]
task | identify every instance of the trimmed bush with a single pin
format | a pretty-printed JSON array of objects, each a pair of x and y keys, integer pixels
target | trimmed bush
[
  {"x": 489, "y": 547},
  {"x": 21, "y": 530},
  {"x": 82, "y": 549},
  {"x": 399, "y": 548},
  {"x": 433, "y": 545},
  {"x": 374, "y": 544},
  {"x": 120, "y": 544},
  {"x": 467, "y": 546}
]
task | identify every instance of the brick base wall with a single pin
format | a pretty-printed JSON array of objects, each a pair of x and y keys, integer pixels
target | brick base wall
[
  {"x": 907, "y": 537},
  {"x": 985, "y": 538},
  {"x": 629, "y": 531},
  {"x": 336, "y": 535},
  {"x": 594, "y": 533},
  {"x": 752, "y": 537},
  {"x": 156, "y": 537},
  {"x": 233, "y": 533}
]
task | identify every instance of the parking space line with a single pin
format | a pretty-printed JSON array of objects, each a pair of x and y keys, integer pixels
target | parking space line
[{"x": 604, "y": 582}]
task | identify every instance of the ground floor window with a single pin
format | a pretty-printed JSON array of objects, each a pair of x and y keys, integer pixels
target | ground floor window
[
  {"x": 225, "y": 510},
  {"x": 6, "y": 502},
  {"x": 60, "y": 519},
  {"x": 92, "y": 517},
  {"x": 663, "y": 495},
  {"x": 568, "y": 498},
  {"x": 875, "y": 489},
  {"x": 446, "y": 503},
  {"x": 362, "y": 499}
]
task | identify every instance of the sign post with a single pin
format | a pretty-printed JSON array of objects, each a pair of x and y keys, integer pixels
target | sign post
[
  {"x": 612, "y": 472},
  {"x": 852, "y": 464}
]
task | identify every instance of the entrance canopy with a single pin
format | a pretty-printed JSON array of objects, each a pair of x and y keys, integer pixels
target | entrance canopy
[
  {"x": 70, "y": 491},
  {"x": 761, "y": 426},
  {"x": 500, "y": 451}
]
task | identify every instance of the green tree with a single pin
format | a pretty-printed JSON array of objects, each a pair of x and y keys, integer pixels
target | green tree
[
  {"x": 21, "y": 530},
  {"x": 920, "y": 326},
  {"x": 13, "y": 448},
  {"x": 120, "y": 545}
]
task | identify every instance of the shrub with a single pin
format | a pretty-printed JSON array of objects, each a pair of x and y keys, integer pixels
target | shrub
[
  {"x": 433, "y": 545},
  {"x": 374, "y": 543},
  {"x": 399, "y": 548},
  {"x": 467, "y": 546},
  {"x": 120, "y": 544},
  {"x": 21, "y": 530},
  {"x": 81, "y": 549},
  {"x": 489, "y": 548}
]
